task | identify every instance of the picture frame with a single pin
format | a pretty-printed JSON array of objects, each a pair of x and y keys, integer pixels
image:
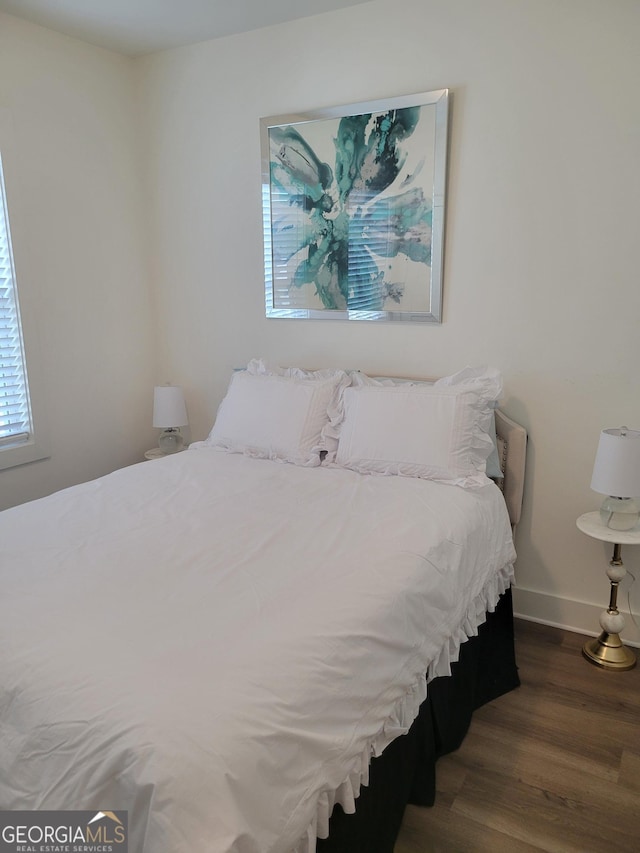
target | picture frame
[{"x": 354, "y": 209}]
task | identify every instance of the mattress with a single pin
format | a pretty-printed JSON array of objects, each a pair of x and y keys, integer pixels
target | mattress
[{"x": 219, "y": 644}]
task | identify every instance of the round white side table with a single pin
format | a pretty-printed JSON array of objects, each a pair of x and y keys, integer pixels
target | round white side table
[
  {"x": 154, "y": 453},
  {"x": 607, "y": 650}
]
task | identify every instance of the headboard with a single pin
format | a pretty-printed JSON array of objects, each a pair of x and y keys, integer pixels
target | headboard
[{"x": 512, "y": 449}]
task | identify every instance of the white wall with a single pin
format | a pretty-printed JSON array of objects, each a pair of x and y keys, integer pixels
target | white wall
[
  {"x": 541, "y": 244},
  {"x": 72, "y": 171}
]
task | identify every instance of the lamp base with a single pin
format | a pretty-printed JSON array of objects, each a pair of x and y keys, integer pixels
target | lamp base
[
  {"x": 170, "y": 440},
  {"x": 608, "y": 652},
  {"x": 620, "y": 513}
]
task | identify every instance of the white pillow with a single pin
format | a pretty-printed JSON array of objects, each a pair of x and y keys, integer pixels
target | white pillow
[
  {"x": 261, "y": 367},
  {"x": 439, "y": 432},
  {"x": 279, "y": 417}
]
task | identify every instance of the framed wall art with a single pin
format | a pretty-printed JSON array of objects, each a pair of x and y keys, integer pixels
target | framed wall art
[{"x": 354, "y": 208}]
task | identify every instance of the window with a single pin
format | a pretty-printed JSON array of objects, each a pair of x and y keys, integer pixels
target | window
[
  {"x": 17, "y": 440},
  {"x": 15, "y": 414}
]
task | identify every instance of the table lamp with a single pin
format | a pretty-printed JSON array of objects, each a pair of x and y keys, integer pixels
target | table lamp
[
  {"x": 616, "y": 474},
  {"x": 169, "y": 414}
]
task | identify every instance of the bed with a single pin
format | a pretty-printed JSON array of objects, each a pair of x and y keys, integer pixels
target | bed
[{"x": 220, "y": 642}]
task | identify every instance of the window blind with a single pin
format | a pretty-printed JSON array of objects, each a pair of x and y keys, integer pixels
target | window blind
[{"x": 15, "y": 415}]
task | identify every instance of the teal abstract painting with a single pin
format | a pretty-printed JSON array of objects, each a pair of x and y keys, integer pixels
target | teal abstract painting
[{"x": 353, "y": 209}]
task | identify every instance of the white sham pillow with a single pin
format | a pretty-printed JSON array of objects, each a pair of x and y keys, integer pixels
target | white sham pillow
[
  {"x": 287, "y": 418},
  {"x": 261, "y": 367},
  {"x": 438, "y": 432}
]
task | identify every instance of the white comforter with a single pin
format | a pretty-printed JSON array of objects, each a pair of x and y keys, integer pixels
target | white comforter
[{"x": 218, "y": 644}]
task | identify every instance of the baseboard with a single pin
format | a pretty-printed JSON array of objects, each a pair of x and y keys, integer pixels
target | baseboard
[{"x": 571, "y": 615}]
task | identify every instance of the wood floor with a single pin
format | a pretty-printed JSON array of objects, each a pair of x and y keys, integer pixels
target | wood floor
[{"x": 554, "y": 765}]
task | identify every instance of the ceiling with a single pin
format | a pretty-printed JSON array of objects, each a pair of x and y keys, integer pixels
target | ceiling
[{"x": 136, "y": 27}]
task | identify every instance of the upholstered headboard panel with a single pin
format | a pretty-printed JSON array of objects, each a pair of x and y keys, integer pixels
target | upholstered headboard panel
[{"x": 512, "y": 449}]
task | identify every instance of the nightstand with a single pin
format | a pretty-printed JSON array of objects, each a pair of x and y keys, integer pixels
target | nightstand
[
  {"x": 156, "y": 453},
  {"x": 607, "y": 651}
]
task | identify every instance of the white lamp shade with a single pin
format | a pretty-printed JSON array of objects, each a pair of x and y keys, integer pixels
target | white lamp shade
[
  {"x": 169, "y": 409},
  {"x": 616, "y": 471}
]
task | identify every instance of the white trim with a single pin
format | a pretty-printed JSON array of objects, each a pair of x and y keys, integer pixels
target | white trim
[
  {"x": 578, "y": 616},
  {"x": 27, "y": 451},
  {"x": 17, "y": 438}
]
